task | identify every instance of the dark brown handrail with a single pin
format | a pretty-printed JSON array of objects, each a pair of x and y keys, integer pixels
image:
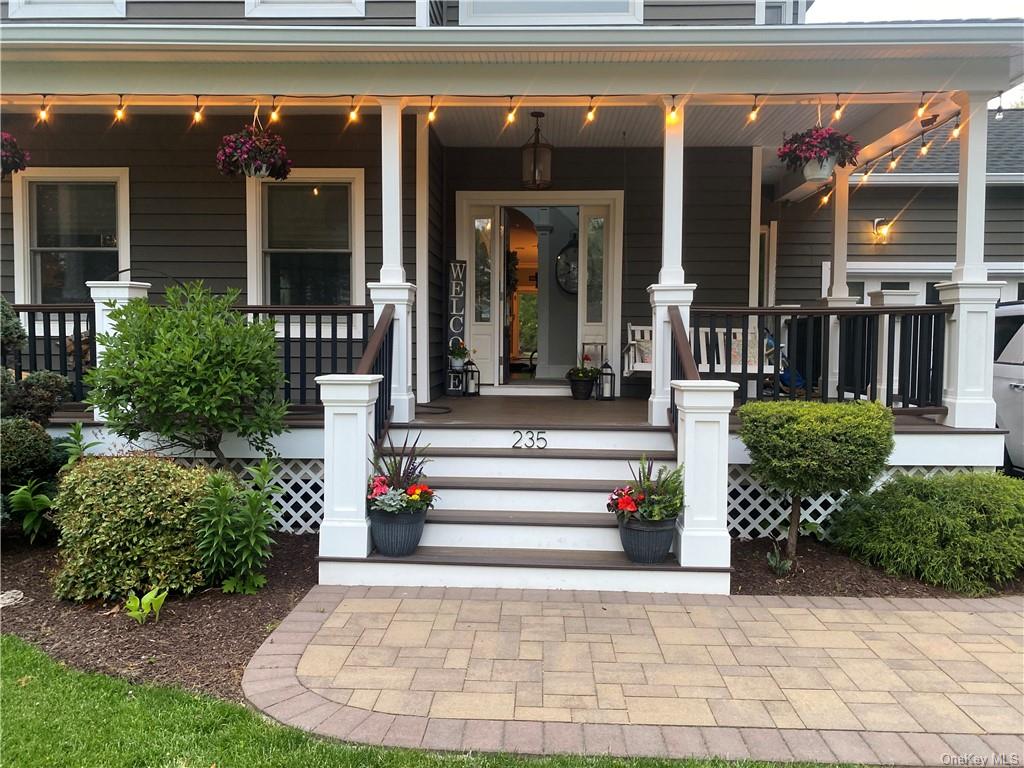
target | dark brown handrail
[
  {"x": 302, "y": 309},
  {"x": 53, "y": 307},
  {"x": 916, "y": 309},
  {"x": 373, "y": 346},
  {"x": 682, "y": 342}
]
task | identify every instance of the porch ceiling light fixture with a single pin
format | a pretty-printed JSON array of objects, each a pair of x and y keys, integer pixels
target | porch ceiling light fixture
[
  {"x": 754, "y": 110},
  {"x": 537, "y": 158},
  {"x": 510, "y": 116},
  {"x": 197, "y": 115},
  {"x": 880, "y": 228}
]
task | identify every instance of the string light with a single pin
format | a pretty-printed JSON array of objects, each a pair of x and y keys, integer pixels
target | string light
[
  {"x": 432, "y": 114},
  {"x": 839, "y": 109},
  {"x": 591, "y": 111},
  {"x": 673, "y": 113},
  {"x": 510, "y": 116},
  {"x": 275, "y": 112},
  {"x": 893, "y": 162},
  {"x": 316, "y": 191},
  {"x": 44, "y": 113},
  {"x": 920, "y": 106},
  {"x": 753, "y": 111},
  {"x": 197, "y": 115},
  {"x": 119, "y": 112},
  {"x": 826, "y": 197},
  {"x": 999, "y": 109},
  {"x": 353, "y": 110},
  {"x": 924, "y": 146},
  {"x": 956, "y": 128}
]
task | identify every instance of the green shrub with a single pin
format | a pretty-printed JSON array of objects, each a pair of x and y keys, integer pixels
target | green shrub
[
  {"x": 12, "y": 334},
  {"x": 804, "y": 448},
  {"x": 234, "y": 529},
  {"x": 36, "y": 396},
  {"x": 128, "y": 523},
  {"x": 26, "y": 453},
  {"x": 189, "y": 372},
  {"x": 963, "y": 532}
]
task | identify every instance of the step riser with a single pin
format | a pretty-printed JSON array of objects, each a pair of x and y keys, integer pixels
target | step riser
[
  {"x": 588, "y": 439},
  {"x": 428, "y": 575},
  {"x": 552, "y": 501},
  {"x": 533, "y": 466},
  {"x": 521, "y": 537}
]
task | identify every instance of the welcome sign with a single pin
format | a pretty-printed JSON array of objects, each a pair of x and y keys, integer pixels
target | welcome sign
[{"x": 456, "y": 319}]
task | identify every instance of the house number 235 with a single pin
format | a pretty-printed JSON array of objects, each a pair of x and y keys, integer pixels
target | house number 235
[{"x": 528, "y": 438}]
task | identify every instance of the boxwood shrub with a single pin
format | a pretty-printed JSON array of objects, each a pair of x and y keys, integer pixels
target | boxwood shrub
[
  {"x": 964, "y": 532},
  {"x": 28, "y": 454},
  {"x": 128, "y": 523}
]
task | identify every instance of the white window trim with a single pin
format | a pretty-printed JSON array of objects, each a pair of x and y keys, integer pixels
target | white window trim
[
  {"x": 21, "y": 207},
  {"x": 469, "y": 16},
  {"x": 255, "y": 279},
  {"x": 26, "y": 9},
  {"x": 305, "y": 8}
]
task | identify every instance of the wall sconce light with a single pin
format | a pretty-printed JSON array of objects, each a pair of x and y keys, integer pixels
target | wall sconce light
[{"x": 880, "y": 228}]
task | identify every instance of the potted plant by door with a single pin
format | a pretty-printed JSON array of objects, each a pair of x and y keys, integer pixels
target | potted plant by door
[
  {"x": 582, "y": 378},
  {"x": 457, "y": 354},
  {"x": 817, "y": 151},
  {"x": 397, "y": 499},
  {"x": 647, "y": 510}
]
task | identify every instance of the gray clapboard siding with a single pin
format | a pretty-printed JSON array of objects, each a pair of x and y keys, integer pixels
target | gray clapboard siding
[
  {"x": 925, "y": 230},
  {"x": 435, "y": 266},
  {"x": 716, "y": 215},
  {"x": 188, "y": 221},
  {"x": 378, "y": 13}
]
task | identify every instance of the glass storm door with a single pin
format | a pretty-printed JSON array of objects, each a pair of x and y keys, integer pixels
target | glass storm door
[
  {"x": 593, "y": 298},
  {"x": 485, "y": 307}
]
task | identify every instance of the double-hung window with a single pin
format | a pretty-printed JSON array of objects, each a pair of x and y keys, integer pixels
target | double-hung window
[
  {"x": 310, "y": 239},
  {"x": 71, "y": 226},
  {"x": 64, "y": 9},
  {"x": 300, "y": 8}
]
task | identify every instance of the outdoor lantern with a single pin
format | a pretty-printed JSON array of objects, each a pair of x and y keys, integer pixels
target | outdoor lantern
[
  {"x": 606, "y": 386},
  {"x": 470, "y": 379},
  {"x": 537, "y": 158}
]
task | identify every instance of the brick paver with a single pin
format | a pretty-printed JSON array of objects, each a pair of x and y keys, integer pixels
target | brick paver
[{"x": 877, "y": 680}]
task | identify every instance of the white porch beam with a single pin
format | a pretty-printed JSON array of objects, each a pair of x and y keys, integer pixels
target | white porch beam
[
  {"x": 672, "y": 195},
  {"x": 392, "y": 270},
  {"x": 840, "y": 233}
]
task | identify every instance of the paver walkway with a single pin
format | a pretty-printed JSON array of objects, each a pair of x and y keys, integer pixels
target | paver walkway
[{"x": 895, "y": 681}]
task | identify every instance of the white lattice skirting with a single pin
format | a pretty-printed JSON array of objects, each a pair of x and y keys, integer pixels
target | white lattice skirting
[
  {"x": 755, "y": 512},
  {"x": 299, "y": 508}
]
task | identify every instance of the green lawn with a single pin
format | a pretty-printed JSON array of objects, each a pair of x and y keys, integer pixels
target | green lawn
[{"x": 54, "y": 716}]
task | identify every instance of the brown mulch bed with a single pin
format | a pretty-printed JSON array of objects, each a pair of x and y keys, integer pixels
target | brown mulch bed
[
  {"x": 822, "y": 569},
  {"x": 201, "y": 643}
]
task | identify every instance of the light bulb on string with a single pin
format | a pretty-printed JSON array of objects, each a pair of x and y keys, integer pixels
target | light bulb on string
[
  {"x": 925, "y": 146},
  {"x": 275, "y": 111},
  {"x": 956, "y": 128},
  {"x": 44, "y": 112},
  {"x": 673, "y": 112},
  {"x": 510, "y": 116},
  {"x": 754, "y": 110},
  {"x": 826, "y": 197},
  {"x": 432, "y": 113},
  {"x": 921, "y": 106},
  {"x": 893, "y": 162},
  {"x": 591, "y": 111},
  {"x": 838, "y": 113},
  {"x": 353, "y": 110},
  {"x": 119, "y": 113},
  {"x": 999, "y": 109},
  {"x": 197, "y": 114}
]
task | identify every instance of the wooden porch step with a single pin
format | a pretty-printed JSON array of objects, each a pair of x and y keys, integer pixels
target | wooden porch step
[
  {"x": 516, "y": 517},
  {"x": 544, "y": 453},
  {"x": 519, "y": 484},
  {"x": 527, "y": 423},
  {"x": 524, "y": 558}
]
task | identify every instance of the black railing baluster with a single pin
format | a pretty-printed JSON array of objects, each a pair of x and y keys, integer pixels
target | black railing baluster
[
  {"x": 77, "y": 386},
  {"x": 778, "y": 358},
  {"x": 62, "y": 342},
  {"x": 334, "y": 343},
  {"x": 745, "y": 360},
  {"x": 287, "y": 347},
  {"x": 33, "y": 361},
  {"x": 303, "y": 354},
  {"x": 872, "y": 361},
  {"x": 826, "y": 355},
  {"x": 809, "y": 377},
  {"x": 759, "y": 339},
  {"x": 906, "y": 336},
  {"x": 890, "y": 360},
  {"x": 728, "y": 345}
]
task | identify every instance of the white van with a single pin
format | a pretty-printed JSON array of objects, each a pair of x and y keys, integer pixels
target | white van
[{"x": 1008, "y": 384}]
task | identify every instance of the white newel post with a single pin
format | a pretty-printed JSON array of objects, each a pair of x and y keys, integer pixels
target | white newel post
[
  {"x": 703, "y": 452},
  {"x": 348, "y": 450},
  {"x": 889, "y": 298},
  {"x": 967, "y": 391},
  {"x": 108, "y": 295},
  {"x": 671, "y": 288},
  {"x": 393, "y": 287}
]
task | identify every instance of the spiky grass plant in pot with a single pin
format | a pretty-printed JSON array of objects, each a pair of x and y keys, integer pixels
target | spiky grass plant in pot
[{"x": 397, "y": 499}]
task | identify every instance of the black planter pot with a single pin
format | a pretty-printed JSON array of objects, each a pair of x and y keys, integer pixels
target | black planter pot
[
  {"x": 396, "y": 535},
  {"x": 582, "y": 389},
  {"x": 647, "y": 541}
]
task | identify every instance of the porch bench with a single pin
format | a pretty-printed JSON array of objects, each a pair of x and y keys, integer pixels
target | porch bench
[{"x": 636, "y": 355}]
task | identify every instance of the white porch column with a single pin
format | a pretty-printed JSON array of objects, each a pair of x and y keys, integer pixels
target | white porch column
[
  {"x": 967, "y": 392},
  {"x": 348, "y": 424},
  {"x": 889, "y": 298},
  {"x": 403, "y": 296},
  {"x": 838, "y": 291},
  {"x": 671, "y": 288},
  {"x": 108, "y": 295},
  {"x": 703, "y": 452},
  {"x": 393, "y": 288}
]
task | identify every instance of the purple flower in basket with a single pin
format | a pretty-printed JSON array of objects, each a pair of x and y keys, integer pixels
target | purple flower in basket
[
  {"x": 818, "y": 144},
  {"x": 14, "y": 157},
  {"x": 253, "y": 152}
]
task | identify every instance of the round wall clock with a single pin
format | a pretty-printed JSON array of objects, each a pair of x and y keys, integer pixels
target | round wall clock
[{"x": 567, "y": 268}]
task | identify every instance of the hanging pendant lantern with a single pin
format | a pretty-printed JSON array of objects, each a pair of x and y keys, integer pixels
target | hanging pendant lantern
[{"x": 537, "y": 158}]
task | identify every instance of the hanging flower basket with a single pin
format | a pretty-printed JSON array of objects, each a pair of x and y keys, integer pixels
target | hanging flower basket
[
  {"x": 14, "y": 157},
  {"x": 254, "y": 151},
  {"x": 817, "y": 151}
]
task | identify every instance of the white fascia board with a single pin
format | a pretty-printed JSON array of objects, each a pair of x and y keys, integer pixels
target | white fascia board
[
  {"x": 932, "y": 179},
  {"x": 927, "y": 267},
  {"x": 997, "y": 34}
]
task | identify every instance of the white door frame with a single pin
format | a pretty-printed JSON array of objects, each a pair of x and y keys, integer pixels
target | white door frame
[{"x": 613, "y": 199}]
